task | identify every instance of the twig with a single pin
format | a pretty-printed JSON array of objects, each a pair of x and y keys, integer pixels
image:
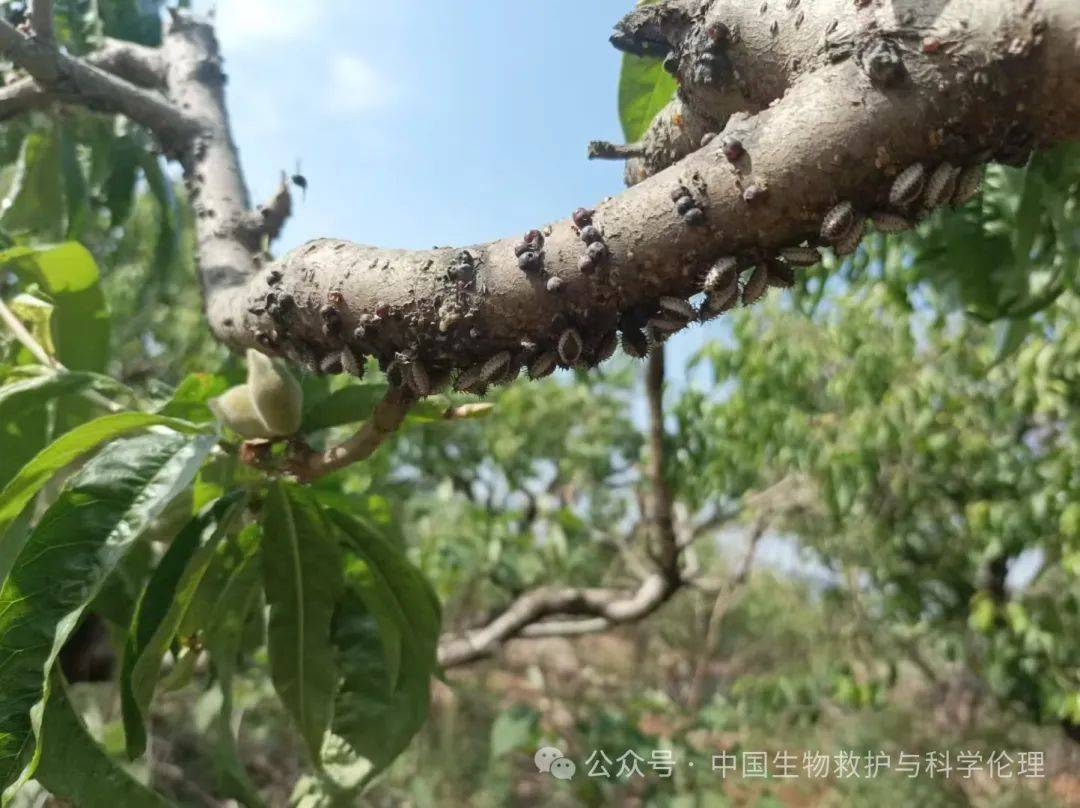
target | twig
[
  {"x": 721, "y": 605},
  {"x": 18, "y": 330},
  {"x": 41, "y": 20},
  {"x": 604, "y": 150},
  {"x": 666, "y": 542},
  {"x": 307, "y": 464}
]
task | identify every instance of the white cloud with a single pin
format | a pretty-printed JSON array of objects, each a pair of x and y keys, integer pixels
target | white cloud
[
  {"x": 355, "y": 86},
  {"x": 244, "y": 24}
]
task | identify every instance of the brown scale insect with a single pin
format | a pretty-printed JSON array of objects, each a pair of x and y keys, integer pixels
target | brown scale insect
[
  {"x": 837, "y": 222},
  {"x": 908, "y": 185},
  {"x": 471, "y": 380},
  {"x": 941, "y": 186},
  {"x": 801, "y": 256},
  {"x": 330, "y": 364},
  {"x": 583, "y": 217},
  {"x": 635, "y": 343},
  {"x": 781, "y": 276},
  {"x": 666, "y": 325},
  {"x": 850, "y": 241},
  {"x": 677, "y": 308},
  {"x": 968, "y": 184},
  {"x": 495, "y": 366},
  {"x": 717, "y": 303},
  {"x": 756, "y": 286},
  {"x": 543, "y": 365},
  {"x": 605, "y": 349},
  {"x": 416, "y": 376},
  {"x": 723, "y": 275},
  {"x": 570, "y": 346},
  {"x": 886, "y": 222},
  {"x": 352, "y": 363}
]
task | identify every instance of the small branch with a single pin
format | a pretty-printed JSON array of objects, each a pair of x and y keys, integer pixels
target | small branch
[
  {"x": 41, "y": 20},
  {"x": 308, "y": 465},
  {"x": 724, "y": 600},
  {"x": 18, "y": 330},
  {"x": 665, "y": 539},
  {"x": 603, "y": 150},
  {"x": 598, "y": 610},
  {"x": 74, "y": 80}
]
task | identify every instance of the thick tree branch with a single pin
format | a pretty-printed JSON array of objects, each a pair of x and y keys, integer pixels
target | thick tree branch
[
  {"x": 135, "y": 63},
  {"x": 75, "y": 80},
  {"x": 991, "y": 77}
]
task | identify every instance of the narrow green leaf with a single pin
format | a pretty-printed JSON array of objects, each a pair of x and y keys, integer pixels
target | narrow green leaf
[
  {"x": 35, "y": 202},
  {"x": 302, "y": 577},
  {"x": 161, "y": 609},
  {"x": 75, "y": 768},
  {"x": 67, "y": 557},
  {"x": 65, "y": 449},
  {"x": 190, "y": 397}
]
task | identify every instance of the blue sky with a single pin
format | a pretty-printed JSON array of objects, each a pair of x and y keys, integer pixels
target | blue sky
[{"x": 427, "y": 122}]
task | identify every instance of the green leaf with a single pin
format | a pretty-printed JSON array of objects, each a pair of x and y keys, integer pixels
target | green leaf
[
  {"x": 161, "y": 609},
  {"x": 67, "y": 557},
  {"x": 69, "y": 275},
  {"x": 388, "y": 612},
  {"x": 75, "y": 768},
  {"x": 346, "y": 406},
  {"x": 67, "y": 448},
  {"x": 302, "y": 577},
  {"x": 36, "y": 391},
  {"x": 645, "y": 88},
  {"x": 222, "y": 639},
  {"x": 34, "y": 205},
  {"x": 190, "y": 397}
]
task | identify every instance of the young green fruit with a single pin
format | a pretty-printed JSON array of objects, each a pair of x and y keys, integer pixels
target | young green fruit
[
  {"x": 235, "y": 410},
  {"x": 275, "y": 394}
]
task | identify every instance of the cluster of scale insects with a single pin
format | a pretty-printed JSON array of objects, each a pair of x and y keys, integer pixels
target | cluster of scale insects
[{"x": 915, "y": 192}]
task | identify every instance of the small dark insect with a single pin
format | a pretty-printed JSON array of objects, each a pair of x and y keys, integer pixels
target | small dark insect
[
  {"x": 723, "y": 275},
  {"x": 683, "y": 206},
  {"x": 496, "y": 366},
  {"x": 418, "y": 379},
  {"x": 635, "y": 343},
  {"x": 756, "y": 286},
  {"x": 837, "y": 221},
  {"x": 530, "y": 261},
  {"x": 671, "y": 63},
  {"x": 781, "y": 275},
  {"x": 273, "y": 277},
  {"x": 677, "y": 307},
  {"x": 586, "y": 265},
  {"x": 801, "y": 256},
  {"x": 694, "y": 217},
  {"x": 534, "y": 239},
  {"x": 908, "y": 185},
  {"x": 543, "y": 365},
  {"x": 330, "y": 364},
  {"x": 968, "y": 184},
  {"x": 352, "y": 363},
  {"x": 554, "y": 284},
  {"x": 570, "y": 346},
  {"x": 678, "y": 193},
  {"x": 733, "y": 149},
  {"x": 597, "y": 251},
  {"x": 583, "y": 217},
  {"x": 299, "y": 180},
  {"x": 887, "y": 222},
  {"x": 848, "y": 243},
  {"x": 941, "y": 186},
  {"x": 590, "y": 234},
  {"x": 336, "y": 298},
  {"x": 755, "y": 193},
  {"x": 606, "y": 347}
]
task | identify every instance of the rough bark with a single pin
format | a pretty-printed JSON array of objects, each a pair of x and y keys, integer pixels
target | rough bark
[
  {"x": 829, "y": 100},
  {"x": 820, "y": 118}
]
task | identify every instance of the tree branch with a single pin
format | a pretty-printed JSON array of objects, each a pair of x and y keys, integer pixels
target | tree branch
[
  {"x": 136, "y": 63},
  {"x": 75, "y": 80},
  {"x": 307, "y": 464},
  {"x": 41, "y": 20}
]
